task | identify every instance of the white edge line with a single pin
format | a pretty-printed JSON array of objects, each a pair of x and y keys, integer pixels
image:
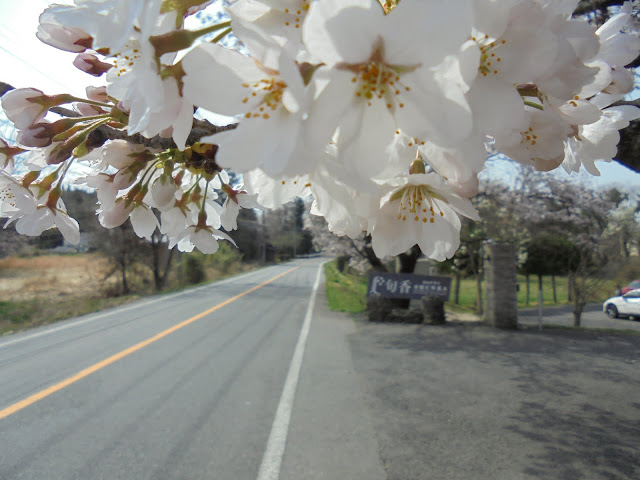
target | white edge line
[
  {"x": 273, "y": 454},
  {"x": 125, "y": 309}
]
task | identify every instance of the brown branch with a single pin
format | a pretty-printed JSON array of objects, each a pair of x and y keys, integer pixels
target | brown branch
[
  {"x": 635, "y": 103},
  {"x": 4, "y": 88},
  {"x": 201, "y": 128},
  {"x": 588, "y": 6}
]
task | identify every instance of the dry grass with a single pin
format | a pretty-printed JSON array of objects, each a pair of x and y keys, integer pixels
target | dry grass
[
  {"x": 51, "y": 277},
  {"x": 39, "y": 290}
]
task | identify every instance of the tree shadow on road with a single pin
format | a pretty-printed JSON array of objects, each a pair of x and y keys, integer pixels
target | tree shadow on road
[{"x": 564, "y": 392}]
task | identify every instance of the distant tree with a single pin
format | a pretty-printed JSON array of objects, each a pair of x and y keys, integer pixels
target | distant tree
[
  {"x": 326, "y": 242},
  {"x": 580, "y": 215},
  {"x": 11, "y": 242},
  {"x": 124, "y": 250},
  {"x": 81, "y": 205},
  {"x": 623, "y": 232},
  {"x": 549, "y": 254},
  {"x": 250, "y": 237},
  {"x": 281, "y": 230},
  {"x": 161, "y": 259}
]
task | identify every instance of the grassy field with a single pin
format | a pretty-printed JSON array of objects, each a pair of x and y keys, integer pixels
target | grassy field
[
  {"x": 346, "y": 292},
  {"x": 468, "y": 293},
  {"x": 39, "y": 290},
  {"x": 43, "y": 289}
]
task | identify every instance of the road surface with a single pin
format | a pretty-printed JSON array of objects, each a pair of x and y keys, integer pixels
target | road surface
[{"x": 209, "y": 383}]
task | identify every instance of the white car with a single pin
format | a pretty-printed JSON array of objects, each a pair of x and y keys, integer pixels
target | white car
[{"x": 627, "y": 305}]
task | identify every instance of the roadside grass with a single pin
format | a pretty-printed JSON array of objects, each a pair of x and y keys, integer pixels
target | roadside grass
[
  {"x": 346, "y": 292},
  {"x": 468, "y": 293},
  {"x": 20, "y": 315}
]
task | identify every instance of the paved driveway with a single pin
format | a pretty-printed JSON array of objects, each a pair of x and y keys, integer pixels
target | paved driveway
[{"x": 471, "y": 402}]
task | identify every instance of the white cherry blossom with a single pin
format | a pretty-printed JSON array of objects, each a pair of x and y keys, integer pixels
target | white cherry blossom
[
  {"x": 14, "y": 197},
  {"x": 275, "y": 192},
  {"x": 619, "y": 37},
  {"x": 109, "y": 22},
  {"x": 45, "y": 218},
  {"x": 597, "y": 141},
  {"x": 542, "y": 143},
  {"x": 154, "y": 103},
  {"x": 236, "y": 199},
  {"x": 54, "y": 33},
  {"x": 278, "y": 21},
  {"x": 24, "y": 106},
  {"x": 204, "y": 239},
  {"x": 115, "y": 214},
  {"x": 420, "y": 209},
  {"x": 143, "y": 221},
  {"x": 382, "y": 83},
  {"x": 272, "y": 105},
  {"x": 334, "y": 100}
]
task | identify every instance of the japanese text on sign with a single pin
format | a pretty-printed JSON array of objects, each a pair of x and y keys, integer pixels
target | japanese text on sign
[{"x": 398, "y": 285}]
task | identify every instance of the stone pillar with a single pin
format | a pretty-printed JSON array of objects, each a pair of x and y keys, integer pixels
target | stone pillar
[{"x": 501, "y": 284}]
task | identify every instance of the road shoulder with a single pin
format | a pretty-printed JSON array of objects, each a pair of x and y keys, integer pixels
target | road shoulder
[{"x": 331, "y": 434}]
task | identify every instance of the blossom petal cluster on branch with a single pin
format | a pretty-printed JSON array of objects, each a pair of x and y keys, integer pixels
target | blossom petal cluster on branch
[{"x": 381, "y": 111}]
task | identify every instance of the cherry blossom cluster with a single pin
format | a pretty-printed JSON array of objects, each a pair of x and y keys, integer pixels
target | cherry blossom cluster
[{"x": 384, "y": 116}]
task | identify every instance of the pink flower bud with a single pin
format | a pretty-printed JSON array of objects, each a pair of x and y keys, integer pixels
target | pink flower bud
[
  {"x": 87, "y": 110},
  {"x": 24, "y": 106},
  {"x": 97, "y": 94},
  {"x": 61, "y": 152},
  {"x": 120, "y": 153},
  {"x": 122, "y": 107},
  {"x": 37, "y": 136},
  {"x": 52, "y": 32},
  {"x": 89, "y": 63}
]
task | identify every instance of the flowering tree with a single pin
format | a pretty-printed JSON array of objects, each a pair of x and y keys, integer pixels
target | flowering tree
[
  {"x": 387, "y": 128},
  {"x": 577, "y": 219}
]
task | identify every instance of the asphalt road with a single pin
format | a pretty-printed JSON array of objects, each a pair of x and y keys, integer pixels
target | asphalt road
[
  {"x": 253, "y": 378},
  {"x": 466, "y": 401},
  {"x": 188, "y": 386}
]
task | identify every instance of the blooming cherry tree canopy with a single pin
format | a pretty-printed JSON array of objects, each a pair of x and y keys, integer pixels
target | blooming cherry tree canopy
[{"x": 381, "y": 111}]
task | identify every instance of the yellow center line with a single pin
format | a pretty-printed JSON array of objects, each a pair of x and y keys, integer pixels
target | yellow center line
[{"x": 16, "y": 407}]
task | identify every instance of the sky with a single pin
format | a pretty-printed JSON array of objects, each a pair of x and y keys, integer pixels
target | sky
[{"x": 27, "y": 62}]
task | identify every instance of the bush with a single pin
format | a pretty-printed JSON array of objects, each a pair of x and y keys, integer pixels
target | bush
[
  {"x": 225, "y": 258},
  {"x": 194, "y": 269},
  {"x": 628, "y": 272}
]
